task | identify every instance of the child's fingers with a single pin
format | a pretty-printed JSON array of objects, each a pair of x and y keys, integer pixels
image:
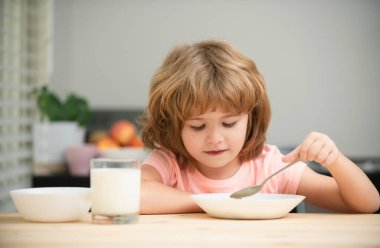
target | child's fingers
[
  {"x": 323, "y": 154},
  {"x": 313, "y": 145},
  {"x": 332, "y": 156},
  {"x": 291, "y": 156},
  {"x": 315, "y": 148},
  {"x": 308, "y": 150},
  {"x": 306, "y": 144}
]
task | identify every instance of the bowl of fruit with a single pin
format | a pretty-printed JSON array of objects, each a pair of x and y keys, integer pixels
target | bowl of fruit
[{"x": 120, "y": 141}]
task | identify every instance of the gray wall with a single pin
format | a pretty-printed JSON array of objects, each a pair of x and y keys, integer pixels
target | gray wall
[{"x": 320, "y": 58}]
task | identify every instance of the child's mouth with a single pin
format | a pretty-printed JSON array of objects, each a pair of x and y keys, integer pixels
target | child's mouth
[{"x": 215, "y": 153}]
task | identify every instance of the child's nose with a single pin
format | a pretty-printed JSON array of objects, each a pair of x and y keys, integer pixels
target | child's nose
[{"x": 214, "y": 136}]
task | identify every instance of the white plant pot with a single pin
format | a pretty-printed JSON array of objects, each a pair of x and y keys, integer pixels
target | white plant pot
[{"x": 50, "y": 140}]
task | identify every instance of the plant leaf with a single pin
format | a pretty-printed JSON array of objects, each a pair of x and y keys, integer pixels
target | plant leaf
[
  {"x": 77, "y": 109},
  {"x": 50, "y": 106}
]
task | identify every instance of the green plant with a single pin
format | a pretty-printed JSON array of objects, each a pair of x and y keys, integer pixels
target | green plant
[{"x": 74, "y": 108}]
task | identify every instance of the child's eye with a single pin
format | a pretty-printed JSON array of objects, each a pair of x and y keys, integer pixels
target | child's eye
[
  {"x": 198, "y": 128},
  {"x": 229, "y": 124}
]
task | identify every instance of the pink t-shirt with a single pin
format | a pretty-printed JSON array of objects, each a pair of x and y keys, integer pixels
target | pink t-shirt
[{"x": 250, "y": 173}]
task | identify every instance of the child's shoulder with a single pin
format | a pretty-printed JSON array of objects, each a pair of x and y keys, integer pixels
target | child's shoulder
[
  {"x": 269, "y": 153},
  {"x": 270, "y": 150},
  {"x": 162, "y": 153}
]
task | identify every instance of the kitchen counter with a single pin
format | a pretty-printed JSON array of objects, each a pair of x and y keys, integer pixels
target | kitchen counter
[{"x": 197, "y": 230}]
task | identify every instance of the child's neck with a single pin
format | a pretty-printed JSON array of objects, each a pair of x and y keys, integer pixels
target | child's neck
[{"x": 220, "y": 173}]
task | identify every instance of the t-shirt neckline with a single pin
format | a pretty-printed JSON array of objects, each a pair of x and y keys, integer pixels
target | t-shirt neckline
[{"x": 221, "y": 182}]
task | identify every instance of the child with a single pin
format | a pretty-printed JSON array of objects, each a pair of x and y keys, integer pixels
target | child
[{"x": 206, "y": 121}]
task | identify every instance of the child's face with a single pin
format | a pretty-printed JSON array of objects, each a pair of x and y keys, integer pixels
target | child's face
[{"x": 215, "y": 139}]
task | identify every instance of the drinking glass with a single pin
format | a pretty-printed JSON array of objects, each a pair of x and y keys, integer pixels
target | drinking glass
[{"x": 115, "y": 185}]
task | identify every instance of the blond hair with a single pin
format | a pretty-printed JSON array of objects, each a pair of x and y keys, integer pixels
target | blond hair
[{"x": 194, "y": 78}]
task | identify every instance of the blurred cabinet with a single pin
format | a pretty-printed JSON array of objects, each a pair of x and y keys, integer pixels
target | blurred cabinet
[{"x": 60, "y": 181}]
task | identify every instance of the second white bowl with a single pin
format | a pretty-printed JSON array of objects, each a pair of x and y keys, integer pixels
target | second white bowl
[{"x": 52, "y": 204}]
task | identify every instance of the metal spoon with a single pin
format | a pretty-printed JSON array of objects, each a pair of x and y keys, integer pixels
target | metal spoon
[{"x": 251, "y": 190}]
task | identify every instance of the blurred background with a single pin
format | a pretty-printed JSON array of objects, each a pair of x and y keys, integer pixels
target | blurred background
[{"x": 320, "y": 60}]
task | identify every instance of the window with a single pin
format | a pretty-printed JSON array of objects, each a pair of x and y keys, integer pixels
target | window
[{"x": 25, "y": 63}]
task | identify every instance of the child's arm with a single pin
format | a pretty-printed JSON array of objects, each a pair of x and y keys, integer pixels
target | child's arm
[
  {"x": 350, "y": 190},
  {"x": 157, "y": 198}
]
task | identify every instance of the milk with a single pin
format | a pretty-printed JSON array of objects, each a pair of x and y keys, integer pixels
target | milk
[{"x": 115, "y": 191}]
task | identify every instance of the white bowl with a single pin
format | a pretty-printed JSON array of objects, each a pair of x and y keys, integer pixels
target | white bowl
[
  {"x": 127, "y": 153},
  {"x": 52, "y": 204},
  {"x": 259, "y": 206}
]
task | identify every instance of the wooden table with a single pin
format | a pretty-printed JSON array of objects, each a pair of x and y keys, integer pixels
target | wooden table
[{"x": 196, "y": 231}]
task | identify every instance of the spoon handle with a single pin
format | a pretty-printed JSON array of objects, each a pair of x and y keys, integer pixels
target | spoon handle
[{"x": 283, "y": 168}]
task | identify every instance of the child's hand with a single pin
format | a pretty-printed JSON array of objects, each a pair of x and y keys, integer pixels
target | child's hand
[{"x": 316, "y": 147}]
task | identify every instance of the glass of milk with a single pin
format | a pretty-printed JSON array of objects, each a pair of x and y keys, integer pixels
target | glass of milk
[{"x": 115, "y": 185}]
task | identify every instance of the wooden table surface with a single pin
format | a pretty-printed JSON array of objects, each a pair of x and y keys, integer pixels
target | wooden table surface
[{"x": 197, "y": 230}]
